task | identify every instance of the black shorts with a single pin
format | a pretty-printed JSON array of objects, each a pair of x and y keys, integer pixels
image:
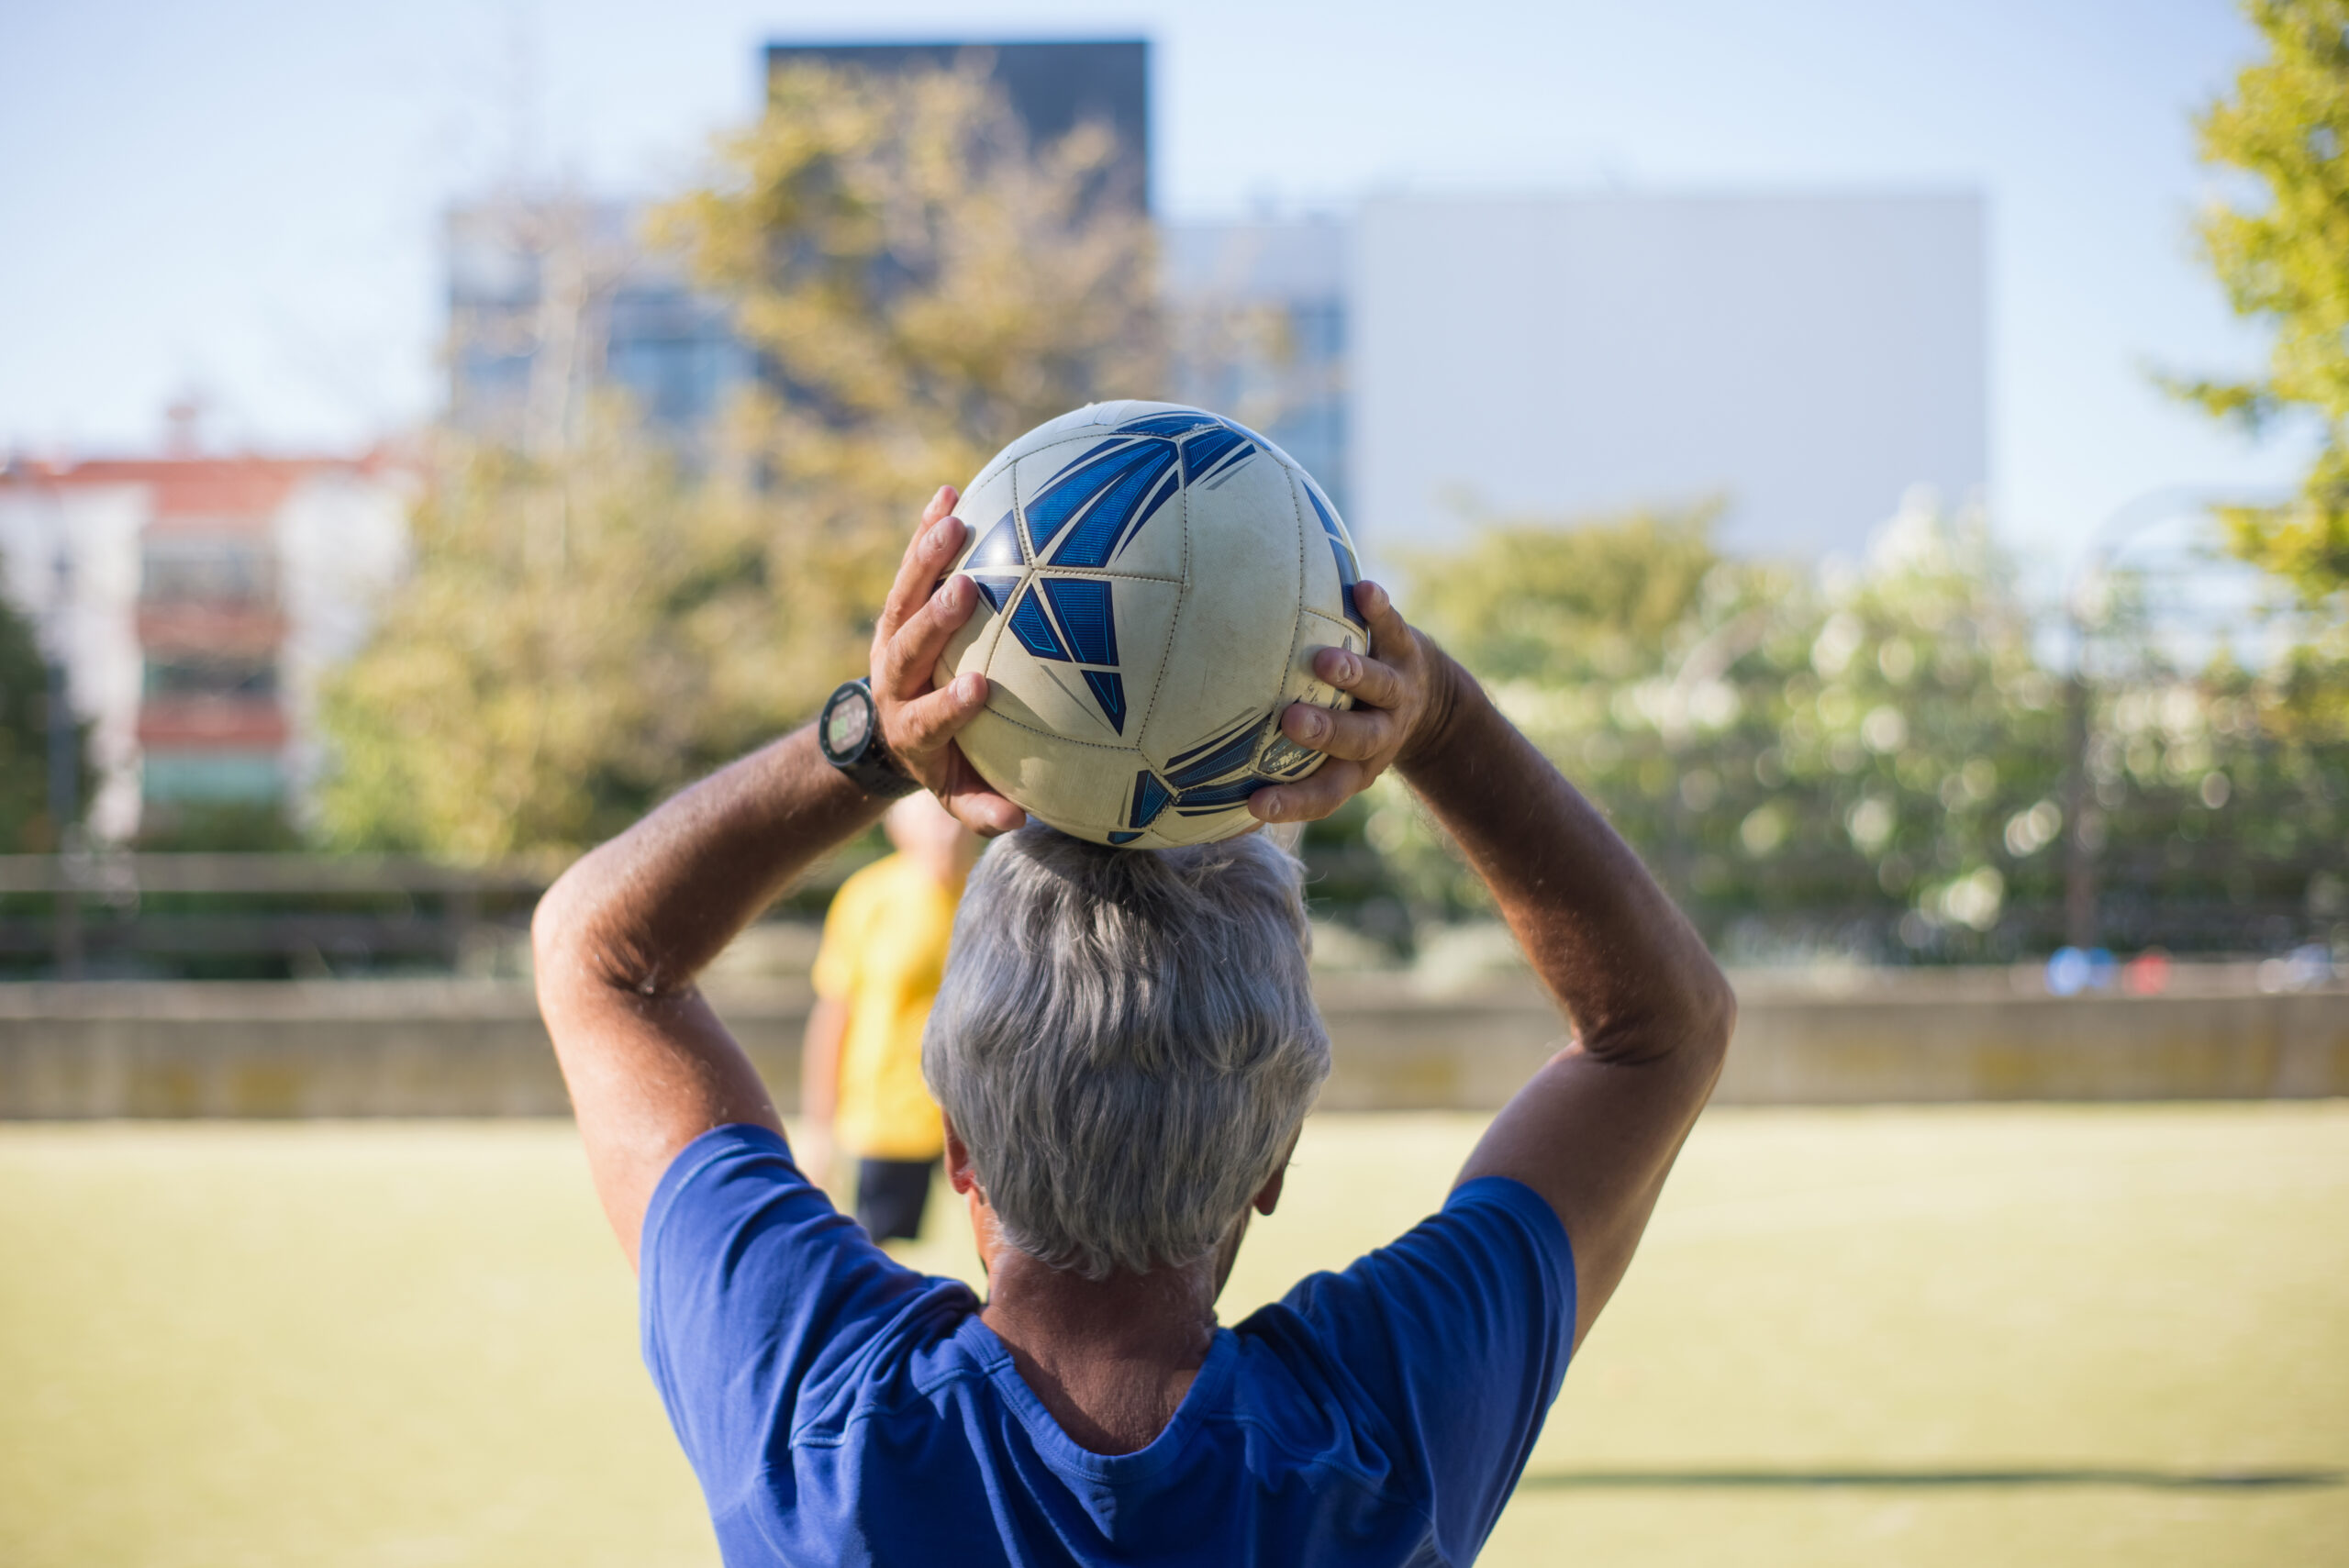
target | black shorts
[{"x": 890, "y": 1195}]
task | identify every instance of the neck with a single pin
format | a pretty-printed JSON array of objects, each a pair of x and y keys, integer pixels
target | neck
[{"x": 1110, "y": 1359}]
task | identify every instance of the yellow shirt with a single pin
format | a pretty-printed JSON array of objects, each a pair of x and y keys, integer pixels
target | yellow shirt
[{"x": 883, "y": 954}]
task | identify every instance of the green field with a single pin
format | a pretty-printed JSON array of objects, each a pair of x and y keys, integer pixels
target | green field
[{"x": 1975, "y": 1335}]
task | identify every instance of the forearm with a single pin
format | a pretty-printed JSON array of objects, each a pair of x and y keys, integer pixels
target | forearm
[
  {"x": 1634, "y": 976},
  {"x": 620, "y": 938},
  {"x": 819, "y": 1060},
  {"x": 648, "y": 911}
]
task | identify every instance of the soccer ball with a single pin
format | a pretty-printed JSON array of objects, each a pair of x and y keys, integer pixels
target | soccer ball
[{"x": 1154, "y": 583}]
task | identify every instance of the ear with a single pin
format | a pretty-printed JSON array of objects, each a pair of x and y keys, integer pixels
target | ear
[
  {"x": 1268, "y": 1196},
  {"x": 959, "y": 1173}
]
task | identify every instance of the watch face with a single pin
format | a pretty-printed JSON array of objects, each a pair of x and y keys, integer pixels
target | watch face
[{"x": 848, "y": 722}]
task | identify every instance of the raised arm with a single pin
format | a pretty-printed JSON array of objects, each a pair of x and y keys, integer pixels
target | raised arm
[
  {"x": 1595, "y": 1131},
  {"x": 619, "y": 941}
]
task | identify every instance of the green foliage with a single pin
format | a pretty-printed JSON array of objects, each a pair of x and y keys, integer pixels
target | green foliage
[
  {"x": 25, "y": 824},
  {"x": 218, "y": 826},
  {"x": 2285, "y": 261},
  {"x": 579, "y": 636},
  {"x": 589, "y": 626},
  {"x": 1872, "y": 764},
  {"x": 1526, "y": 602}
]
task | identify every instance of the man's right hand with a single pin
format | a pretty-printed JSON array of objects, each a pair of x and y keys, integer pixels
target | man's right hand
[{"x": 919, "y": 718}]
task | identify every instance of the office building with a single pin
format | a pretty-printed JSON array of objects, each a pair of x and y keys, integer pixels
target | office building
[
  {"x": 1052, "y": 86},
  {"x": 554, "y": 297},
  {"x": 1258, "y": 318}
]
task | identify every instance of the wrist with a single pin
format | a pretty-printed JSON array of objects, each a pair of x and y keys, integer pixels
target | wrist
[
  {"x": 1453, "y": 692},
  {"x": 848, "y": 732}
]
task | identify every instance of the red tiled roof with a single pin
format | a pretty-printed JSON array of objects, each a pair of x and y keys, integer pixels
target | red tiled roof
[{"x": 210, "y": 488}]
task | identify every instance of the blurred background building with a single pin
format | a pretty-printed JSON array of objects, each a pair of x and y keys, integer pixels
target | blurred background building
[
  {"x": 196, "y": 599},
  {"x": 1804, "y": 359},
  {"x": 552, "y": 295},
  {"x": 1432, "y": 359},
  {"x": 1052, "y": 86}
]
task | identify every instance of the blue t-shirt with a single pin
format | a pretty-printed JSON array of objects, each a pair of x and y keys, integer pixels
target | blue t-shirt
[{"x": 840, "y": 1408}]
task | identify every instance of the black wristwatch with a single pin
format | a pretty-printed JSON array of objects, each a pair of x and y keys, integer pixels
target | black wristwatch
[{"x": 850, "y": 733}]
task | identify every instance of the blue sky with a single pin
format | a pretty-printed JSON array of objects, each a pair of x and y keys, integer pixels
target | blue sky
[{"x": 239, "y": 194}]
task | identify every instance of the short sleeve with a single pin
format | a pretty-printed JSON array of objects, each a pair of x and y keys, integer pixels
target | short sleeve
[
  {"x": 836, "y": 954},
  {"x": 1457, "y": 1335},
  {"x": 752, "y": 1288}
]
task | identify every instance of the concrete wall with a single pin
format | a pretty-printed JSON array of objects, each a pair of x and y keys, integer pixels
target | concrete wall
[{"x": 418, "y": 1049}]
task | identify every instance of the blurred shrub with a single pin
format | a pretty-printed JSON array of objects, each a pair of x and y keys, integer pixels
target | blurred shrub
[
  {"x": 27, "y": 826},
  {"x": 1873, "y": 763}
]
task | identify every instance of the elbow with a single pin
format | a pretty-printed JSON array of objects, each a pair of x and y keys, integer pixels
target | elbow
[
  {"x": 557, "y": 928},
  {"x": 1714, "y": 1017},
  {"x": 550, "y": 933}
]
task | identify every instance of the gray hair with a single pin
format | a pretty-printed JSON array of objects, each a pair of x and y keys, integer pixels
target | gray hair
[{"x": 1126, "y": 1041}]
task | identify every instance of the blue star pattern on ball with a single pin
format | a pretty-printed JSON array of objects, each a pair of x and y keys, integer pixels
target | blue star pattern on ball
[{"x": 1083, "y": 517}]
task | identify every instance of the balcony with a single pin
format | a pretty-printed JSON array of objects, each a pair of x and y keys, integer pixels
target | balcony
[
  {"x": 184, "y": 723},
  {"x": 209, "y": 595},
  {"x": 221, "y": 627}
]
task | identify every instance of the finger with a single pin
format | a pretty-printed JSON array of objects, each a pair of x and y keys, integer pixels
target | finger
[
  {"x": 1309, "y": 799},
  {"x": 975, "y": 803},
  {"x": 982, "y": 811},
  {"x": 908, "y": 656},
  {"x": 1372, "y": 680},
  {"x": 1362, "y": 735},
  {"x": 926, "y": 725},
  {"x": 927, "y": 552},
  {"x": 1390, "y": 635},
  {"x": 940, "y": 504}
]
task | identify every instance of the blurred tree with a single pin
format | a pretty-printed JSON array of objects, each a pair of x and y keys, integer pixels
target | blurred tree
[
  {"x": 26, "y": 827},
  {"x": 588, "y": 624},
  {"x": 1806, "y": 767},
  {"x": 532, "y": 682},
  {"x": 1867, "y": 764},
  {"x": 1530, "y": 601},
  {"x": 2285, "y": 261},
  {"x": 923, "y": 284}
]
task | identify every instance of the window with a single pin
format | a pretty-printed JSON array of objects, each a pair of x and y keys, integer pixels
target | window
[
  {"x": 212, "y": 570},
  {"x": 200, "y": 675}
]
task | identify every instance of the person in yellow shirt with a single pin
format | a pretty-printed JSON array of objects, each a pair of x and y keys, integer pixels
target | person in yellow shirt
[{"x": 876, "y": 974}]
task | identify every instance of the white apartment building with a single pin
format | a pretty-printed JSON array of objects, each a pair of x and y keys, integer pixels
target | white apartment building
[{"x": 197, "y": 600}]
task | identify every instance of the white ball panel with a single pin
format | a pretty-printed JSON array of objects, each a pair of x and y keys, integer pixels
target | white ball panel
[
  {"x": 1146, "y": 612},
  {"x": 1155, "y": 546},
  {"x": 1232, "y": 639},
  {"x": 1033, "y": 766},
  {"x": 987, "y": 498}
]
